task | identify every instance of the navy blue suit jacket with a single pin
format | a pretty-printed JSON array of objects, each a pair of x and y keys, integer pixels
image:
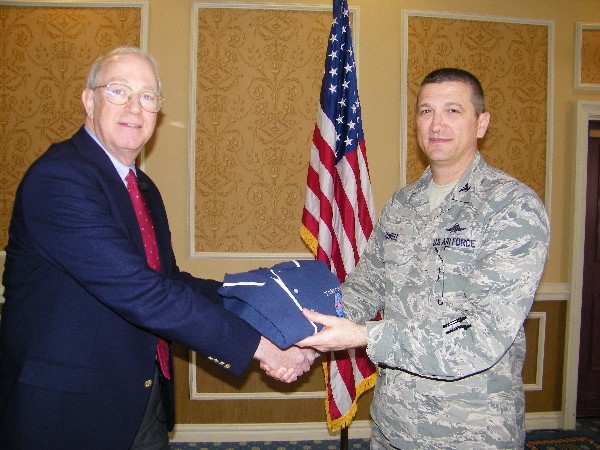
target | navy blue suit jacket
[{"x": 83, "y": 309}]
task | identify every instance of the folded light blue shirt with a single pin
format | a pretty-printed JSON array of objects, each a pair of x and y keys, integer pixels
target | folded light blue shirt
[{"x": 272, "y": 299}]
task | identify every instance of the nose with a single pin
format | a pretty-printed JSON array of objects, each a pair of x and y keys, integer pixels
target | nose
[
  {"x": 437, "y": 124},
  {"x": 133, "y": 105}
]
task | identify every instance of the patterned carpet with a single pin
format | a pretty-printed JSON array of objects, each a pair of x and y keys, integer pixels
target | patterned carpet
[{"x": 585, "y": 437}]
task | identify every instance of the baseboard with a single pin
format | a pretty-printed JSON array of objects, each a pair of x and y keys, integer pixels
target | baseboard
[
  {"x": 313, "y": 431},
  {"x": 544, "y": 420},
  {"x": 265, "y": 432}
]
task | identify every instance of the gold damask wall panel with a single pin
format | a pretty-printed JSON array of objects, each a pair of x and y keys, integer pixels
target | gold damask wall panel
[
  {"x": 511, "y": 61},
  {"x": 45, "y": 54},
  {"x": 257, "y": 87},
  {"x": 590, "y": 56}
]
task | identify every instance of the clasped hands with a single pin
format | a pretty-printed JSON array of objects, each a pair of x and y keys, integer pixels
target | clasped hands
[
  {"x": 287, "y": 365},
  {"x": 283, "y": 365}
]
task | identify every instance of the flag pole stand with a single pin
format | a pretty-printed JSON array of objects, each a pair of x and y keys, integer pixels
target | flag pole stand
[{"x": 344, "y": 439}]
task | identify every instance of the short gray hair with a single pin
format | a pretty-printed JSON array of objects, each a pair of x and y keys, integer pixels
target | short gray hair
[{"x": 98, "y": 64}]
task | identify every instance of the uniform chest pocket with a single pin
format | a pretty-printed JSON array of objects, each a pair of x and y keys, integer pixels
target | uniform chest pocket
[
  {"x": 398, "y": 248},
  {"x": 456, "y": 253},
  {"x": 453, "y": 256}
]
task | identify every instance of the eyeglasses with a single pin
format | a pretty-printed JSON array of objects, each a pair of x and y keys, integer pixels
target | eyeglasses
[{"x": 120, "y": 94}]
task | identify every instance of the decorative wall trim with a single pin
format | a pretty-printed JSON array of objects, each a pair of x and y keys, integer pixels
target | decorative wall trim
[
  {"x": 265, "y": 432},
  {"x": 585, "y": 111},
  {"x": 544, "y": 420},
  {"x": 196, "y": 7},
  {"x": 553, "y": 292},
  {"x": 406, "y": 14},
  {"x": 539, "y": 368},
  {"x": 246, "y": 256},
  {"x": 359, "y": 429},
  {"x": 579, "y": 28},
  {"x": 142, "y": 5},
  {"x": 195, "y": 374},
  {"x": 546, "y": 292}
]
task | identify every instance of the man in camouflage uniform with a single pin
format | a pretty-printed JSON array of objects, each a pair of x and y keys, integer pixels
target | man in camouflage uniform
[{"x": 453, "y": 263}]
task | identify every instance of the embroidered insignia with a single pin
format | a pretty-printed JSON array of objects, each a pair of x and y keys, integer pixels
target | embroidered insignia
[
  {"x": 465, "y": 188},
  {"x": 391, "y": 236},
  {"x": 455, "y": 228}
]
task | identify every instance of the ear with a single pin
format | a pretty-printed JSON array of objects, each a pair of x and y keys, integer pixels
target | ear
[
  {"x": 87, "y": 98},
  {"x": 483, "y": 122}
]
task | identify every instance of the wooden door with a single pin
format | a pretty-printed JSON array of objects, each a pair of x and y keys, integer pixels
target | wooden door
[{"x": 588, "y": 388}]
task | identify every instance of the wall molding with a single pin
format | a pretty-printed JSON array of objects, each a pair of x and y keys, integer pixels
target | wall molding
[
  {"x": 546, "y": 292},
  {"x": 579, "y": 27},
  {"x": 196, "y": 8},
  {"x": 142, "y": 5},
  {"x": 541, "y": 345},
  {"x": 406, "y": 14},
  {"x": 359, "y": 429}
]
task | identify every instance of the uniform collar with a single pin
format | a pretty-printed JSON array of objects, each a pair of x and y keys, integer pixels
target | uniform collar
[{"x": 464, "y": 187}]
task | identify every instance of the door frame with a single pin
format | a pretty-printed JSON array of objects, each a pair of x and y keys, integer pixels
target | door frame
[{"x": 586, "y": 111}]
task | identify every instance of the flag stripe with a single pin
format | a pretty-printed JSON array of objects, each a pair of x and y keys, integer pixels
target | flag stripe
[{"x": 337, "y": 219}]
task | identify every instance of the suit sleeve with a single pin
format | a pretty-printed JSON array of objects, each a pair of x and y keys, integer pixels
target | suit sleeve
[{"x": 82, "y": 224}]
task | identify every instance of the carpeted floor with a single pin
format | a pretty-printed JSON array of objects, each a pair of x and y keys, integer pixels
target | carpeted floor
[{"x": 585, "y": 437}]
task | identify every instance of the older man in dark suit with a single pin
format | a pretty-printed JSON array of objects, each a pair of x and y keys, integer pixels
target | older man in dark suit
[{"x": 91, "y": 288}]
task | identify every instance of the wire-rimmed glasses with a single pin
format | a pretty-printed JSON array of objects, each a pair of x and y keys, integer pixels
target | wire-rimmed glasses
[{"x": 120, "y": 94}]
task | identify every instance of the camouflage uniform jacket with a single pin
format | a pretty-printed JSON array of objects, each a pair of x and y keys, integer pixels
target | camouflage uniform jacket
[{"x": 455, "y": 286}]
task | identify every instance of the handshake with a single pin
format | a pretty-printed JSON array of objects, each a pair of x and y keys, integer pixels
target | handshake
[
  {"x": 272, "y": 300},
  {"x": 337, "y": 333},
  {"x": 284, "y": 365}
]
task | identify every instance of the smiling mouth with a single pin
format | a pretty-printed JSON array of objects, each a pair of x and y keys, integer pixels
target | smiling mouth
[{"x": 131, "y": 125}]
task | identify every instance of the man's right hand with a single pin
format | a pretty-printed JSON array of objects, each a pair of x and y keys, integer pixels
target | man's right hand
[{"x": 283, "y": 365}]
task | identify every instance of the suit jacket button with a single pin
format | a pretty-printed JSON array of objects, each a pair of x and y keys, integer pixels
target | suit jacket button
[{"x": 148, "y": 383}]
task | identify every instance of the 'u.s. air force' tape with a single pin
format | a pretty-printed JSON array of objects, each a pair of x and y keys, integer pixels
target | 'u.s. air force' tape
[{"x": 272, "y": 299}]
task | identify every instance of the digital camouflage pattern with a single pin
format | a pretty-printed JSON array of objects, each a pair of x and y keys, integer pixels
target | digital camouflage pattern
[{"x": 455, "y": 286}]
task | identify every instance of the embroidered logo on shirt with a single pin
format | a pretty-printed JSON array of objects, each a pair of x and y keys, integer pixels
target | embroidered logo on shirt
[
  {"x": 455, "y": 228},
  {"x": 337, "y": 299},
  {"x": 454, "y": 241},
  {"x": 391, "y": 236},
  {"x": 465, "y": 188}
]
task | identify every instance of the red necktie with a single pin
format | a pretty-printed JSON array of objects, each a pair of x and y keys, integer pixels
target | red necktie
[{"x": 149, "y": 237}]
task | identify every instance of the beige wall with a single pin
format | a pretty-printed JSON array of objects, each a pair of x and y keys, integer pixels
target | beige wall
[{"x": 378, "y": 39}]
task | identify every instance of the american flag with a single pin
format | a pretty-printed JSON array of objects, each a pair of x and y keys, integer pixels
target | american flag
[{"x": 337, "y": 219}]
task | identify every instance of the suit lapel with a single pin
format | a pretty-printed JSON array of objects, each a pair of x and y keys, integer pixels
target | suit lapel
[{"x": 95, "y": 155}]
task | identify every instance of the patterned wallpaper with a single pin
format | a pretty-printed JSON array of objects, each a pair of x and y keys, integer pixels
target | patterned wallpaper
[
  {"x": 511, "y": 61},
  {"x": 257, "y": 88},
  {"x": 45, "y": 54},
  {"x": 590, "y": 55}
]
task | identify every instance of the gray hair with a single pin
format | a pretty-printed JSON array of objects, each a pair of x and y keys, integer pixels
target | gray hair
[{"x": 97, "y": 66}]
